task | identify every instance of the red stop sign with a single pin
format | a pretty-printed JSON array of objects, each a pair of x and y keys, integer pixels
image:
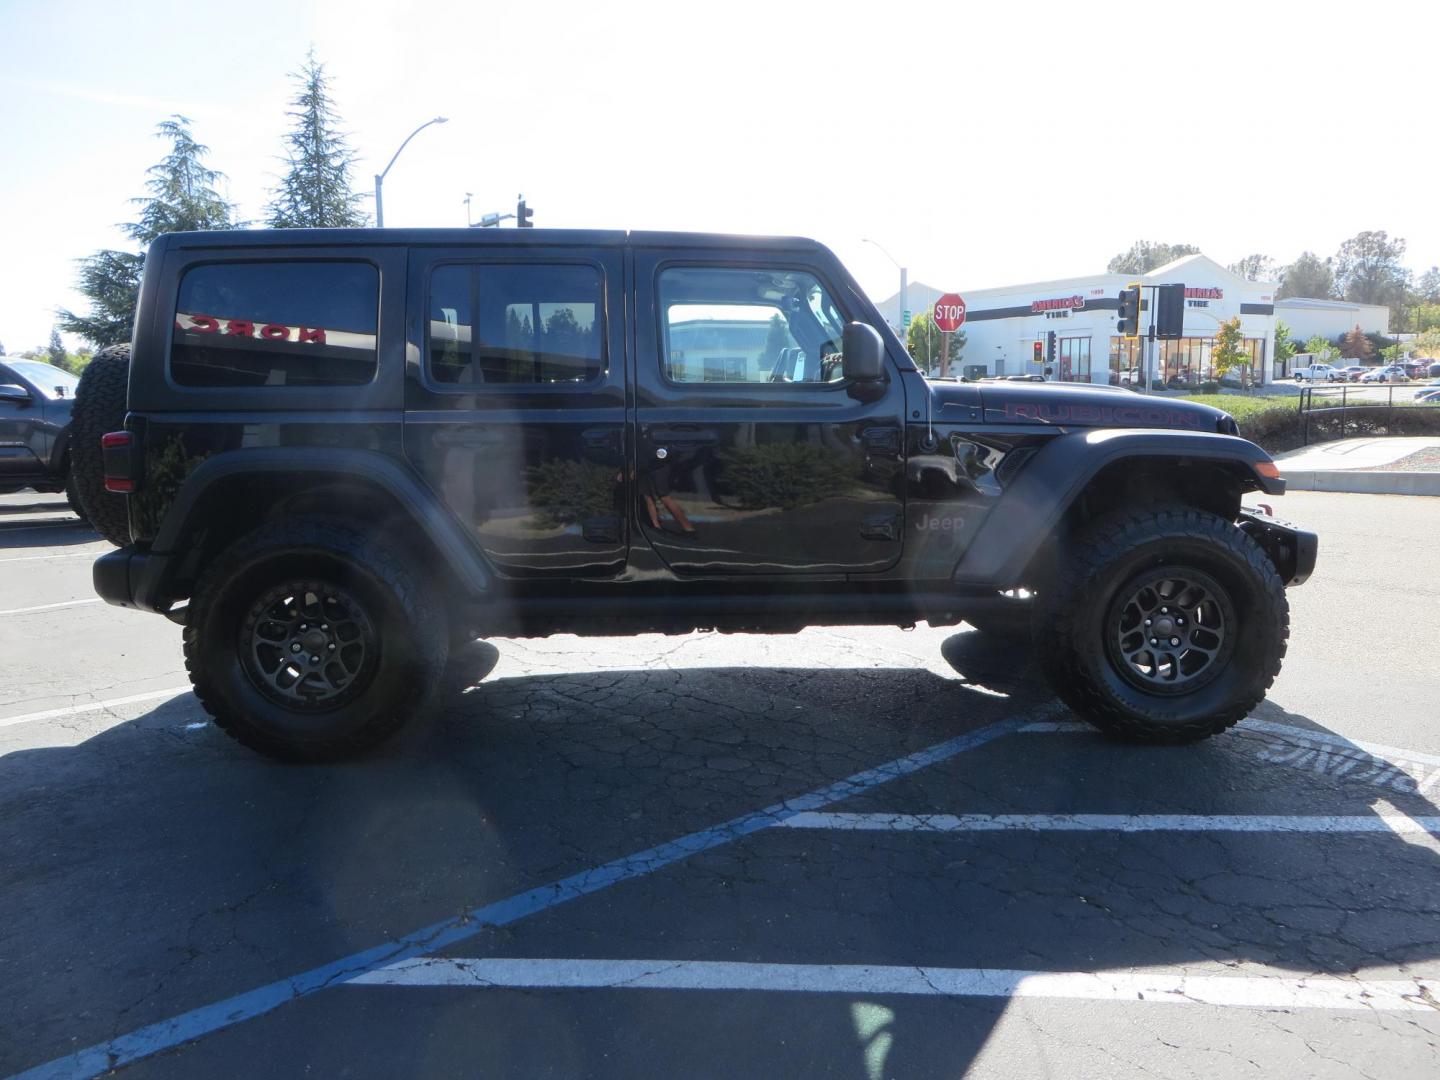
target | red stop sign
[{"x": 949, "y": 313}]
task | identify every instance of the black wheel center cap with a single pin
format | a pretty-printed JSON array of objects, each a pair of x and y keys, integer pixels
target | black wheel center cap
[
  {"x": 1164, "y": 626},
  {"x": 314, "y": 640}
]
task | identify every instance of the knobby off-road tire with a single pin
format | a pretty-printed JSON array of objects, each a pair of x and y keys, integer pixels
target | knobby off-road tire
[
  {"x": 1198, "y": 578},
  {"x": 99, "y": 408},
  {"x": 372, "y": 640},
  {"x": 73, "y": 499}
]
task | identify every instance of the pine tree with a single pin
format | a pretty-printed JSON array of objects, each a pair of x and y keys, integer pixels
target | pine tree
[
  {"x": 315, "y": 193},
  {"x": 182, "y": 197},
  {"x": 56, "y": 348}
]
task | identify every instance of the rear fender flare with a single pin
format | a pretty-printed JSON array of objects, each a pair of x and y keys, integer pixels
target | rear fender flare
[{"x": 328, "y": 465}]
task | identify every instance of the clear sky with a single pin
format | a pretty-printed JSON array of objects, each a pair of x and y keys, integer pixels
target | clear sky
[{"x": 982, "y": 144}]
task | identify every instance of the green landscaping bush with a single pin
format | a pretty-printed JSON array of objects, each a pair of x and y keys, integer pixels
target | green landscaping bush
[{"x": 786, "y": 475}]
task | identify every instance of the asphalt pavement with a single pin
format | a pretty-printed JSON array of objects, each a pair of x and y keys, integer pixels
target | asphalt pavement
[{"x": 848, "y": 852}]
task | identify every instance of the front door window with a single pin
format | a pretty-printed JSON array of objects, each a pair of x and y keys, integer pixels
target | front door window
[{"x": 748, "y": 326}]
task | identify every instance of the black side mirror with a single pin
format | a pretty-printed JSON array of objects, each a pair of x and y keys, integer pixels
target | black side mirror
[
  {"x": 21, "y": 396},
  {"x": 864, "y": 353}
]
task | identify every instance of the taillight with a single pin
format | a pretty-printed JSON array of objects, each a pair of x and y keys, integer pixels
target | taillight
[{"x": 116, "y": 446}]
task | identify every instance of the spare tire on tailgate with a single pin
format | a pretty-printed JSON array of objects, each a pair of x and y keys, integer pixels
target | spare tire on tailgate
[{"x": 99, "y": 408}]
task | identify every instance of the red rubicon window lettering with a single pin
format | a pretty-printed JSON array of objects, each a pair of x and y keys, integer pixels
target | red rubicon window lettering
[
  {"x": 204, "y": 324},
  {"x": 275, "y": 332},
  {"x": 240, "y": 328},
  {"x": 314, "y": 334}
]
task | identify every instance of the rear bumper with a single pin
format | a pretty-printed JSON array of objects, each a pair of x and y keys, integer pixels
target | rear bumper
[
  {"x": 131, "y": 579},
  {"x": 1291, "y": 548}
]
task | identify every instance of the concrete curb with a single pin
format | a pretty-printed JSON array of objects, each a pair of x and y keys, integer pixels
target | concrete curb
[{"x": 1360, "y": 482}]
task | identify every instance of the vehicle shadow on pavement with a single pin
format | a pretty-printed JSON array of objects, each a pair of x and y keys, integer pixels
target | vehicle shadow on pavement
[
  {"x": 45, "y": 534},
  {"x": 156, "y": 867},
  {"x": 57, "y": 506}
]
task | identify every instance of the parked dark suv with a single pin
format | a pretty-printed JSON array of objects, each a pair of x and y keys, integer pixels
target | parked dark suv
[
  {"x": 350, "y": 451},
  {"x": 35, "y": 401}
]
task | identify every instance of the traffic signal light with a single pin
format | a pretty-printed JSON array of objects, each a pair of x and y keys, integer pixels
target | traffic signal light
[
  {"x": 1050, "y": 347},
  {"x": 523, "y": 214},
  {"x": 1170, "y": 311},
  {"x": 1127, "y": 324},
  {"x": 1039, "y": 354}
]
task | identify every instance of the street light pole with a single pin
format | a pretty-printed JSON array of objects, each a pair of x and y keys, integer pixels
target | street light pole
[
  {"x": 904, "y": 285},
  {"x": 380, "y": 176}
]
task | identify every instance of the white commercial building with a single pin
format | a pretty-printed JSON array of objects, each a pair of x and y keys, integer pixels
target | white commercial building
[
  {"x": 1330, "y": 319},
  {"x": 1008, "y": 330}
]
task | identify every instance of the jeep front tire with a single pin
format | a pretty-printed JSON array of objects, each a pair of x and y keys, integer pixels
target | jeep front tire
[
  {"x": 308, "y": 640},
  {"x": 1164, "y": 626}
]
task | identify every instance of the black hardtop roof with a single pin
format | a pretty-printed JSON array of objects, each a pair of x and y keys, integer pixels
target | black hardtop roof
[{"x": 609, "y": 238}]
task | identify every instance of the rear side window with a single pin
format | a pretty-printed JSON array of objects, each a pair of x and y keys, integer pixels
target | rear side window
[
  {"x": 295, "y": 324},
  {"x": 513, "y": 324}
]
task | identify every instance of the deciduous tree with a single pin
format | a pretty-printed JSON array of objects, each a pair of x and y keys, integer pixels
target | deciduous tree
[
  {"x": 1368, "y": 271},
  {"x": 1309, "y": 275},
  {"x": 1146, "y": 255},
  {"x": 1256, "y": 268},
  {"x": 926, "y": 343},
  {"x": 1228, "y": 352},
  {"x": 1284, "y": 343},
  {"x": 1354, "y": 345}
]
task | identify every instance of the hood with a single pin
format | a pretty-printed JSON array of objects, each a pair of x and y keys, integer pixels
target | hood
[{"x": 1075, "y": 405}]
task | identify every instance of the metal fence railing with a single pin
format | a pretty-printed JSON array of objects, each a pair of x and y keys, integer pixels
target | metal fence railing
[{"x": 1352, "y": 401}]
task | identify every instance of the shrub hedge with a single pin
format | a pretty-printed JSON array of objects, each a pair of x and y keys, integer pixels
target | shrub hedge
[{"x": 1276, "y": 423}]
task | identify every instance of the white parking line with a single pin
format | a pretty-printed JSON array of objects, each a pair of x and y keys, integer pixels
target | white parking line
[
  {"x": 1120, "y": 823},
  {"x": 1254, "y": 992},
  {"x": 62, "y": 555},
  {"x": 1266, "y": 727},
  {"x": 52, "y": 607},
  {"x": 92, "y": 706}
]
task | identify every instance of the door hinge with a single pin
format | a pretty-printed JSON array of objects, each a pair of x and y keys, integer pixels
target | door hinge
[
  {"x": 882, "y": 439},
  {"x": 601, "y": 530}
]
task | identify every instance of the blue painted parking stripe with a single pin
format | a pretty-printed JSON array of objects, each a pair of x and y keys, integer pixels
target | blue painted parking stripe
[{"x": 188, "y": 1026}]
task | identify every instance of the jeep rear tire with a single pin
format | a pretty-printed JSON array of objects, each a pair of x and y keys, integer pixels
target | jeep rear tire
[
  {"x": 307, "y": 640},
  {"x": 1165, "y": 625},
  {"x": 99, "y": 408}
]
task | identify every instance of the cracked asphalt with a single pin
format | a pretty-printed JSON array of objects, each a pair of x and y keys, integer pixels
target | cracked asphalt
[{"x": 152, "y": 869}]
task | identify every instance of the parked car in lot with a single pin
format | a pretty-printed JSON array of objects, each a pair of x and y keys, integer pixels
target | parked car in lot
[
  {"x": 1319, "y": 373},
  {"x": 1393, "y": 373},
  {"x": 35, "y": 402},
  {"x": 1352, "y": 372},
  {"x": 350, "y": 454},
  {"x": 1429, "y": 396}
]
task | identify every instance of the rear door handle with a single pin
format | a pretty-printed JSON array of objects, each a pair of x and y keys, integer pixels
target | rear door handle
[{"x": 684, "y": 435}]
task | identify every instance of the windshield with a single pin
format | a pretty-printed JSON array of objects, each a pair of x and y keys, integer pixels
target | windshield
[{"x": 50, "y": 380}]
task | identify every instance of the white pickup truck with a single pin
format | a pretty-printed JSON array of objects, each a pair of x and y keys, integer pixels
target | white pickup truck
[{"x": 1319, "y": 373}]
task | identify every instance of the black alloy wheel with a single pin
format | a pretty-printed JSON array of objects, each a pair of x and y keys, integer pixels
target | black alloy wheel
[
  {"x": 1168, "y": 631},
  {"x": 309, "y": 644}
]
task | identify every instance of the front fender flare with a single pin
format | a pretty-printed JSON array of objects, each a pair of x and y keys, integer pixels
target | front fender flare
[{"x": 1035, "y": 502}]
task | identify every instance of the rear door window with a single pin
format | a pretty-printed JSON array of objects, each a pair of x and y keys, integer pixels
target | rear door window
[
  {"x": 276, "y": 324},
  {"x": 516, "y": 324}
]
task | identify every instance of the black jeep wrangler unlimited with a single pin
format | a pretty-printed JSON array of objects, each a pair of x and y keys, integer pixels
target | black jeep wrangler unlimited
[{"x": 350, "y": 451}]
